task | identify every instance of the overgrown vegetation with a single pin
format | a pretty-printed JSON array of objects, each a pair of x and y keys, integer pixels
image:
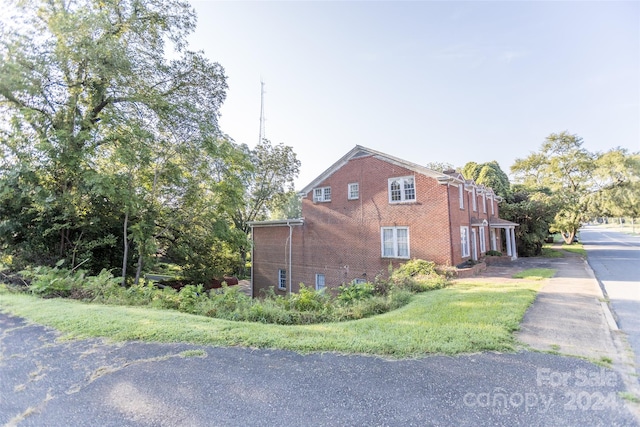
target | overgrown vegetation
[
  {"x": 111, "y": 156},
  {"x": 352, "y": 301},
  {"x": 462, "y": 318}
]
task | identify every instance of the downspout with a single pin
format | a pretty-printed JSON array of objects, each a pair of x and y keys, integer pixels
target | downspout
[
  {"x": 252, "y": 246},
  {"x": 290, "y": 264},
  {"x": 450, "y": 228}
]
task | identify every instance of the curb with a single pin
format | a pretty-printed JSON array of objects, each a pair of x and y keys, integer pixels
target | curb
[{"x": 606, "y": 310}]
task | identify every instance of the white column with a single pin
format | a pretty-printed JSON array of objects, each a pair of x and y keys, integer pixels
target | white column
[
  {"x": 507, "y": 237},
  {"x": 513, "y": 243}
]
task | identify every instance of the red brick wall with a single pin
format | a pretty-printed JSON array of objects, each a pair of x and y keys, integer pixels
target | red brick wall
[
  {"x": 271, "y": 251},
  {"x": 341, "y": 238}
]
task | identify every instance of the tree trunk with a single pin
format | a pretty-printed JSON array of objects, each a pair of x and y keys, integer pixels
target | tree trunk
[
  {"x": 568, "y": 237},
  {"x": 126, "y": 250},
  {"x": 139, "y": 269}
]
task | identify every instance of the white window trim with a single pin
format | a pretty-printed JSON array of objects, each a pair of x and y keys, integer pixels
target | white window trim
[
  {"x": 484, "y": 203},
  {"x": 324, "y": 281},
  {"x": 395, "y": 243},
  {"x": 464, "y": 242},
  {"x": 403, "y": 198},
  {"x": 349, "y": 191},
  {"x": 282, "y": 278},
  {"x": 483, "y": 245},
  {"x": 461, "y": 195},
  {"x": 322, "y": 194},
  {"x": 492, "y": 208},
  {"x": 473, "y": 200}
]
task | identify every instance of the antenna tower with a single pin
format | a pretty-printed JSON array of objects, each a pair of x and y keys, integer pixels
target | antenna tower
[{"x": 262, "y": 119}]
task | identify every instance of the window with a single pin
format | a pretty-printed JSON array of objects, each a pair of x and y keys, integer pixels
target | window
[
  {"x": 464, "y": 241},
  {"x": 473, "y": 200},
  {"x": 402, "y": 189},
  {"x": 483, "y": 247},
  {"x": 353, "y": 191},
  {"x": 359, "y": 281},
  {"x": 492, "y": 211},
  {"x": 319, "y": 282},
  {"x": 395, "y": 242},
  {"x": 484, "y": 203},
  {"x": 322, "y": 194},
  {"x": 282, "y": 279},
  {"x": 461, "y": 195}
]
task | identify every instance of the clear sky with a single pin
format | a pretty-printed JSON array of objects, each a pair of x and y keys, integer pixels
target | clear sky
[{"x": 426, "y": 81}]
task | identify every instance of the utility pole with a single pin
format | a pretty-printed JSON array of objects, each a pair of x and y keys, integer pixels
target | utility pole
[{"x": 262, "y": 119}]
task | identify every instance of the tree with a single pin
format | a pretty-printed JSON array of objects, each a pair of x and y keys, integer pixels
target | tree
[
  {"x": 489, "y": 174},
  {"x": 533, "y": 211},
  {"x": 618, "y": 175},
  {"x": 578, "y": 181},
  {"x": 565, "y": 168},
  {"x": 102, "y": 137},
  {"x": 439, "y": 166},
  {"x": 267, "y": 182},
  {"x": 290, "y": 208}
]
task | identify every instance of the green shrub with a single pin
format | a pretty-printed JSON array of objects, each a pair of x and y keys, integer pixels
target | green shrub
[
  {"x": 417, "y": 267},
  {"x": 494, "y": 253},
  {"x": 140, "y": 294},
  {"x": 167, "y": 298},
  {"x": 308, "y": 299},
  {"x": 269, "y": 311},
  {"x": 189, "y": 296},
  {"x": 425, "y": 283},
  {"x": 226, "y": 303},
  {"x": 347, "y": 294},
  {"x": 382, "y": 286},
  {"x": 51, "y": 282},
  {"x": 354, "y": 301},
  {"x": 100, "y": 287}
]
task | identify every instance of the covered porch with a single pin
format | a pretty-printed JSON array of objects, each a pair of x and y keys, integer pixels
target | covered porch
[{"x": 497, "y": 224}]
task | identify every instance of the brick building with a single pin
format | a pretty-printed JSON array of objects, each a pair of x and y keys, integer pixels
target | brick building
[{"x": 369, "y": 210}]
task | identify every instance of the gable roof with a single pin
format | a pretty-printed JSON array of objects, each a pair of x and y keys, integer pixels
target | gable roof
[{"x": 360, "y": 151}]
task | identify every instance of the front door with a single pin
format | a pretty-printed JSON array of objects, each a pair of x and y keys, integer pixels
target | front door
[{"x": 474, "y": 245}]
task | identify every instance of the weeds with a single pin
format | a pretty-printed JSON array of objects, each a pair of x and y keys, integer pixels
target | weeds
[{"x": 308, "y": 306}]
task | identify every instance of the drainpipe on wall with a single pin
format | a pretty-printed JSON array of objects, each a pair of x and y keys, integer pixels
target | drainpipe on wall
[
  {"x": 450, "y": 224},
  {"x": 252, "y": 262},
  {"x": 290, "y": 265}
]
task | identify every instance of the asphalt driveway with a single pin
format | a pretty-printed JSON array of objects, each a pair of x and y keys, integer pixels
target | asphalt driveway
[{"x": 48, "y": 382}]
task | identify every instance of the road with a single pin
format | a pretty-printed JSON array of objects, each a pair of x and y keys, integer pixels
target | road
[{"x": 615, "y": 259}]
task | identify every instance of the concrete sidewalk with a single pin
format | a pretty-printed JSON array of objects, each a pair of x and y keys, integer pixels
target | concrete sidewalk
[{"x": 569, "y": 314}]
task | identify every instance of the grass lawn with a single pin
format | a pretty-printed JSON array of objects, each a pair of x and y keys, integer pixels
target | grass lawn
[
  {"x": 549, "y": 252},
  {"x": 575, "y": 248},
  {"x": 535, "y": 274},
  {"x": 465, "y": 317}
]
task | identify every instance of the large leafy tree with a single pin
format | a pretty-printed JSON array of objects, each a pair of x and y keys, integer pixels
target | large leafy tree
[
  {"x": 618, "y": 174},
  {"x": 489, "y": 174},
  {"x": 575, "y": 178},
  {"x": 102, "y": 137},
  {"x": 268, "y": 183},
  {"x": 564, "y": 168}
]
